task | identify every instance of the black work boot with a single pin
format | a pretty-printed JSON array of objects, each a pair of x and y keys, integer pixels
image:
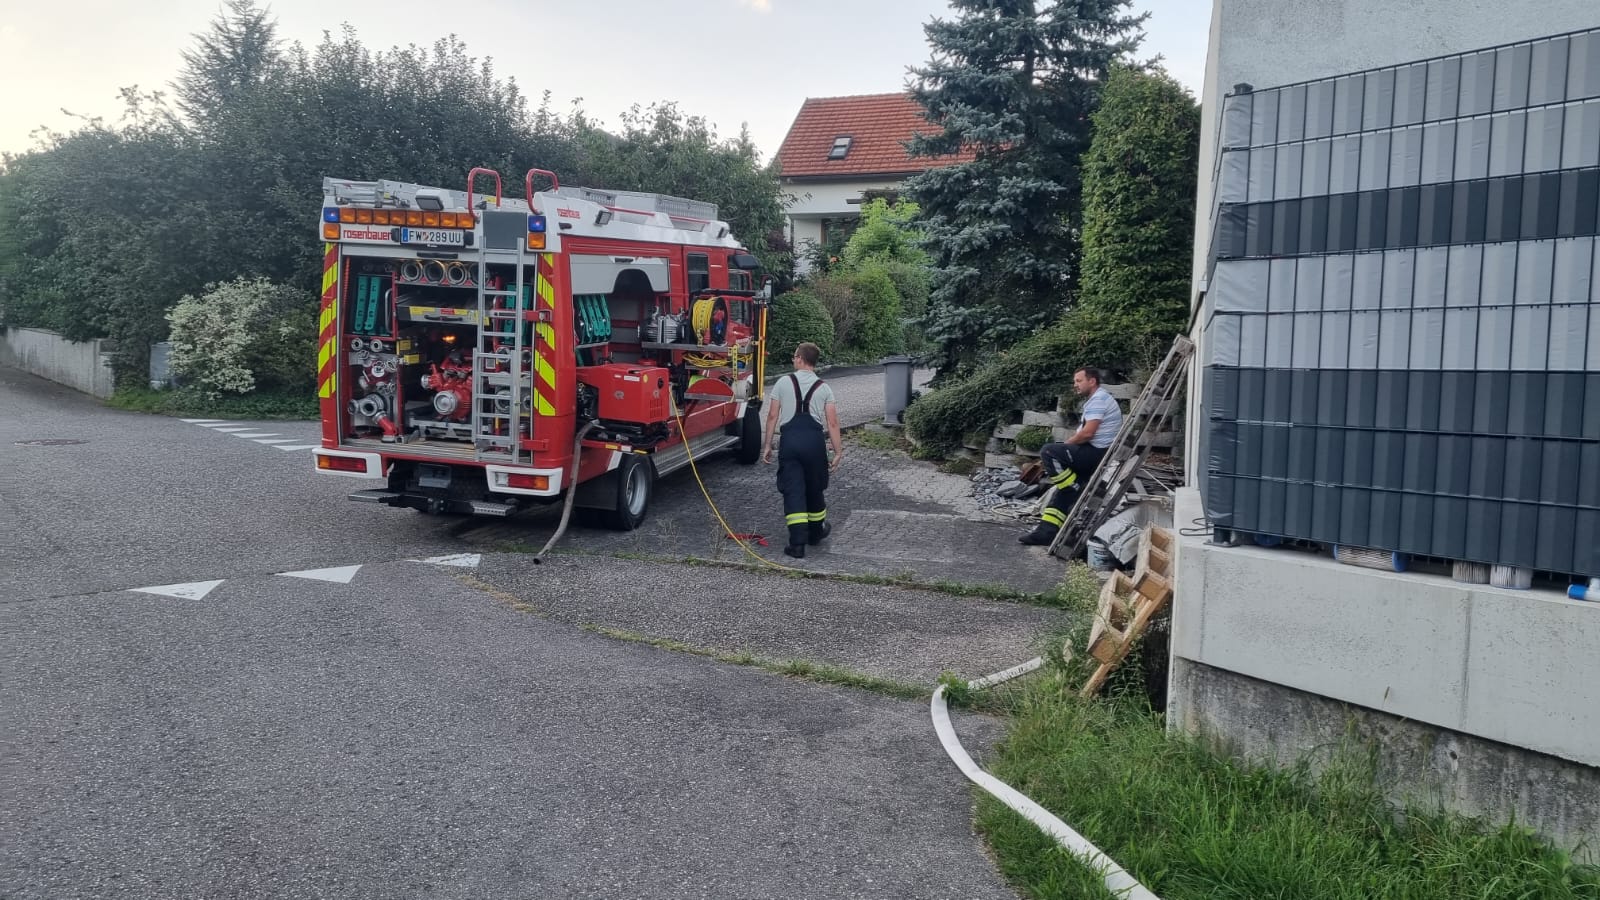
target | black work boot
[
  {"x": 819, "y": 533},
  {"x": 1040, "y": 536},
  {"x": 798, "y": 551}
]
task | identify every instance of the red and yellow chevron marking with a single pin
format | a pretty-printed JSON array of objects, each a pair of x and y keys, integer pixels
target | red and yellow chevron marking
[
  {"x": 328, "y": 324},
  {"x": 544, "y": 357}
]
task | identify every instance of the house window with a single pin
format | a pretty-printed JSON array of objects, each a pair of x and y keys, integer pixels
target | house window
[{"x": 841, "y": 146}]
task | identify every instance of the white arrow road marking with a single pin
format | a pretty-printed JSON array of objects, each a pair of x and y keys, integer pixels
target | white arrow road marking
[
  {"x": 337, "y": 574},
  {"x": 464, "y": 560},
  {"x": 299, "y": 447},
  {"x": 216, "y": 423},
  {"x": 200, "y": 421},
  {"x": 195, "y": 590},
  {"x": 275, "y": 441},
  {"x": 231, "y": 430},
  {"x": 258, "y": 435}
]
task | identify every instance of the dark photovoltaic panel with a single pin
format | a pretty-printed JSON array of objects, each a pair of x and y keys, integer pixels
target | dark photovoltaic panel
[{"x": 1404, "y": 346}]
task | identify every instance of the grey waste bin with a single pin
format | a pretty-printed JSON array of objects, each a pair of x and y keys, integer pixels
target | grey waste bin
[{"x": 896, "y": 386}]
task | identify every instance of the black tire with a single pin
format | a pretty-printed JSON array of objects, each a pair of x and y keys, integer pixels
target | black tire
[
  {"x": 636, "y": 481},
  {"x": 749, "y": 449}
]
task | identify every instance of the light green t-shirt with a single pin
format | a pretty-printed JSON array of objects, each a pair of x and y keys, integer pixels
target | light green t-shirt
[{"x": 788, "y": 402}]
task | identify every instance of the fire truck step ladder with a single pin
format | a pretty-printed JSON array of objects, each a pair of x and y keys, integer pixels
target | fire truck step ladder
[
  {"x": 500, "y": 378},
  {"x": 1149, "y": 416}
]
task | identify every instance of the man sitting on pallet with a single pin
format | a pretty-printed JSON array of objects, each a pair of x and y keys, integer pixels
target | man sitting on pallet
[{"x": 1068, "y": 464}]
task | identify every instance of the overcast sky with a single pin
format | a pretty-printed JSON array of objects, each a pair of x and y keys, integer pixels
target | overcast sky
[{"x": 732, "y": 61}]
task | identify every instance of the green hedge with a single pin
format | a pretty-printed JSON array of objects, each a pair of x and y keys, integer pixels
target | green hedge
[
  {"x": 1039, "y": 366},
  {"x": 796, "y": 317},
  {"x": 877, "y": 330}
]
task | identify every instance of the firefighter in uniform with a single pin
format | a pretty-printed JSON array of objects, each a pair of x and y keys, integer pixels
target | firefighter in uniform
[
  {"x": 804, "y": 404},
  {"x": 1069, "y": 464}
]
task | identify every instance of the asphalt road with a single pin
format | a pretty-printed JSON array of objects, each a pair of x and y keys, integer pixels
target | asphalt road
[{"x": 404, "y": 734}]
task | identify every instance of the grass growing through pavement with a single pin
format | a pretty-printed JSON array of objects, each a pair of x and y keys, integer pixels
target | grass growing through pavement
[
  {"x": 1192, "y": 824},
  {"x": 807, "y": 670}
]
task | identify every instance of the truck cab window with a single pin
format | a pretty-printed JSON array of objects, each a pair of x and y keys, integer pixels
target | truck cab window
[{"x": 699, "y": 273}]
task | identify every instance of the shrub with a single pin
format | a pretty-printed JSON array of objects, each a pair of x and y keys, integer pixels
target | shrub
[
  {"x": 878, "y": 330},
  {"x": 796, "y": 317},
  {"x": 243, "y": 335},
  {"x": 839, "y": 300},
  {"x": 1039, "y": 366},
  {"x": 1033, "y": 437}
]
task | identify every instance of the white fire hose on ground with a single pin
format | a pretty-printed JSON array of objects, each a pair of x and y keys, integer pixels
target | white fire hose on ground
[{"x": 1117, "y": 880}]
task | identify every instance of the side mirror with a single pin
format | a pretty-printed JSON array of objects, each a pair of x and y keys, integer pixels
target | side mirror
[
  {"x": 745, "y": 261},
  {"x": 766, "y": 289}
]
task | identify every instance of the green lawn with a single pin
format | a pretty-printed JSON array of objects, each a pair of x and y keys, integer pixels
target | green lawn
[{"x": 1194, "y": 825}]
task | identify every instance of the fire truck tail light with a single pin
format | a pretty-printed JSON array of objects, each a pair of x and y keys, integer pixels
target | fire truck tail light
[
  {"x": 330, "y": 232},
  {"x": 413, "y": 217},
  {"x": 330, "y": 214},
  {"x": 342, "y": 464},
  {"x": 536, "y": 241},
  {"x": 528, "y": 482},
  {"x": 346, "y": 214}
]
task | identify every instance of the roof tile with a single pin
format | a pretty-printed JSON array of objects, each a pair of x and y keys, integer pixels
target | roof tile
[{"x": 879, "y": 125}]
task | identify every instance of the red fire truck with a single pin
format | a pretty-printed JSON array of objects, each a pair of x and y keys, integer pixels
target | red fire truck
[{"x": 482, "y": 354}]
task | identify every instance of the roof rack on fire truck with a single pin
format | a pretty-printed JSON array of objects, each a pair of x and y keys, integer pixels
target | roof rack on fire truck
[{"x": 634, "y": 207}]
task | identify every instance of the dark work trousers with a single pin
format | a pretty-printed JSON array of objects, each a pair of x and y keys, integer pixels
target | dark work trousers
[
  {"x": 1067, "y": 468},
  {"x": 803, "y": 471}
]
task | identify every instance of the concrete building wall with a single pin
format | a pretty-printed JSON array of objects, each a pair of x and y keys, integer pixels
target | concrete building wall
[
  {"x": 1479, "y": 698},
  {"x": 85, "y": 366},
  {"x": 818, "y": 200}
]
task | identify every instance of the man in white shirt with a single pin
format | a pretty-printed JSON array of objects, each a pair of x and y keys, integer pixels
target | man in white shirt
[
  {"x": 803, "y": 407},
  {"x": 1068, "y": 464}
]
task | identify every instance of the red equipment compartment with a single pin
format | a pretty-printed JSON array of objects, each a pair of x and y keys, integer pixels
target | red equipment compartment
[{"x": 634, "y": 394}]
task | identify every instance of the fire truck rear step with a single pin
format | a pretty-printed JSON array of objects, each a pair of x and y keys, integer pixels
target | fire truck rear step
[{"x": 677, "y": 457}]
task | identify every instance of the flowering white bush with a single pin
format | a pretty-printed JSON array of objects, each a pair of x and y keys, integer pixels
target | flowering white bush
[{"x": 245, "y": 334}]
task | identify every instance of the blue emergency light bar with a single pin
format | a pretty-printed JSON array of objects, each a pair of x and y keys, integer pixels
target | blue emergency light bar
[
  {"x": 536, "y": 224},
  {"x": 330, "y": 214}
]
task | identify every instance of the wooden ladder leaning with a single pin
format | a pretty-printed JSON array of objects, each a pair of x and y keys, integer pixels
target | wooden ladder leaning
[{"x": 1103, "y": 493}]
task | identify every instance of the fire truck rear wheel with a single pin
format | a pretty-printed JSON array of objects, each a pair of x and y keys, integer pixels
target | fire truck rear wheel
[
  {"x": 636, "y": 482},
  {"x": 750, "y": 435}
]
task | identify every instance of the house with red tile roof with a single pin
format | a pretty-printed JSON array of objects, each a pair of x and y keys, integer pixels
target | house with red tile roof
[{"x": 843, "y": 151}]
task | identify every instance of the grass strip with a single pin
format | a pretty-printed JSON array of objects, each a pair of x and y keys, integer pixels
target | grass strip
[
  {"x": 952, "y": 588},
  {"x": 807, "y": 670},
  {"x": 194, "y": 404}
]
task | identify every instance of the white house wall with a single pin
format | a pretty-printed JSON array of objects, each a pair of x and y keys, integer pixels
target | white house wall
[{"x": 832, "y": 198}]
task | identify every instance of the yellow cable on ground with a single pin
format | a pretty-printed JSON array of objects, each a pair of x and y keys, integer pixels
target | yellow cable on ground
[{"x": 689, "y": 449}]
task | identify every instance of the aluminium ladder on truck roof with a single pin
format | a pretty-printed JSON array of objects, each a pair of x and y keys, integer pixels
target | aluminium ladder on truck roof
[{"x": 1103, "y": 493}]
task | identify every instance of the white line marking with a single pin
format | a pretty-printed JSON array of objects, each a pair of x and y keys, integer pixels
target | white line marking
[
  {"x": 199, "y": 421},
  {"x": 337, "y": 574},
  {"x": 464, "y": 560},
  {"x": 260, "y": 434},
  {"x": 299, "y": 447},
  {"x": 195, "y": 590},
  {"x": 276, "y": 441},
  {"x": 1117, "y": 880},
  {"x": 213, "y": 424},
  {"x": 231, "y": 430}
]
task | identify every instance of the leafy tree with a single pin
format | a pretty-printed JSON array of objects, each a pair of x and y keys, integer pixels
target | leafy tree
[
  {"x": 1138, "y": 205},
  {"x": 885, "y": 234},
  {"x": 244, "y": 335},
  {"x": 228, "y": 65},
  {"x": 1014, "y": 81},
  {"x": 662, "y": 150}
]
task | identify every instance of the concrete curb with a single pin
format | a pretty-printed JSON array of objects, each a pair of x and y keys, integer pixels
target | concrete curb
[{"x": 1117, "y": 880}]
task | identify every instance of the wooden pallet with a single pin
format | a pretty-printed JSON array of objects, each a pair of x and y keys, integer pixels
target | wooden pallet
[{"x": 1128, "y": 605}]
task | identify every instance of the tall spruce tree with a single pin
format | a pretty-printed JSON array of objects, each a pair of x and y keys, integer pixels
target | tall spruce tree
[{"x": 1015, "y": 81}]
